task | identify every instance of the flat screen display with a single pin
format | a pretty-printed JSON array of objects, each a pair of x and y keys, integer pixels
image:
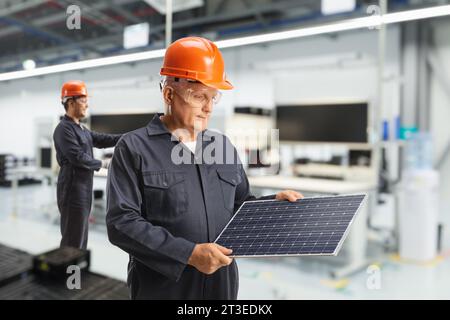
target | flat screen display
[
  {"x": 46, "y": 157},
  {"x": 323, "y": 122}
]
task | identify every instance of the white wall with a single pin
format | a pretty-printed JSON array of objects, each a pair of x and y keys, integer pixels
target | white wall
[
  {"x": 440, "y": 95},
  {"x": 318, "y": 68},
  {"x": 440, "y": 108}
]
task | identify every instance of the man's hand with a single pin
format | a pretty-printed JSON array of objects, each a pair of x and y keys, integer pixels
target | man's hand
[
  {"x": 209, "y": 257},
  {"x": 290, "y": 195}
]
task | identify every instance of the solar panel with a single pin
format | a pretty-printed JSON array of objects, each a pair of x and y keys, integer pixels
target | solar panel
[{"x": 310, "y": 226}]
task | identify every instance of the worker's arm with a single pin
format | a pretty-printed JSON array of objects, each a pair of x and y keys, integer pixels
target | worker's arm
[
  {"x": 103, "y": 140},
  {"x": 67, "y": 142},
  {"x": 152, "y": 245}
]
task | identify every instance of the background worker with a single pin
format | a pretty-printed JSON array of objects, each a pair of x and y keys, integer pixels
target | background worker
[{"x": 73, "y": 144}]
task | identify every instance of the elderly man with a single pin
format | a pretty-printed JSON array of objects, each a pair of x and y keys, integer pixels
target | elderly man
[{"x": 174, "y": 185}]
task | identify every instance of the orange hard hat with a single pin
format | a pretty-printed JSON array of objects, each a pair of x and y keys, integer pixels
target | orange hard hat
[
  {"x": 197, "y": 59},
  {"x": 73, "y": 88}
]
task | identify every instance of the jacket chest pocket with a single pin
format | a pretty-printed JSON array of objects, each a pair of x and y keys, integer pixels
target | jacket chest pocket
[
  {"x": 165, "y": 195},
  {"x": 84, "y": 141},
  {"x": 228, "y": 182}
]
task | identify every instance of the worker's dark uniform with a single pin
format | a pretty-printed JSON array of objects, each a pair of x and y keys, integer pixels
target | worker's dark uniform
[
  {"x": 73, "y": 144},
  {"x": 158, "y": 209}
]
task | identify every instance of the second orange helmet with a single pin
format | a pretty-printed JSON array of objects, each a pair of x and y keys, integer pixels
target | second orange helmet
[{"x": 73, "y": 88}]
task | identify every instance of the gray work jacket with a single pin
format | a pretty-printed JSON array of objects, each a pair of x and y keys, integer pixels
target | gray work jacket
[{"x": 159, "y": 208}]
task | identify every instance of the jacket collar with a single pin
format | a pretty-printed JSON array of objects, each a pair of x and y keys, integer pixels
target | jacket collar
[
  {"x": 157, "y": 127},
  {"x": 67, "y": 118}
]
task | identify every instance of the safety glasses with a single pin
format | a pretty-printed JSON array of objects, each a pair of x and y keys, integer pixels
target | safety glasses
[
  {"x": 192, "y": 92},
  {"x": 79, "y": 99}
]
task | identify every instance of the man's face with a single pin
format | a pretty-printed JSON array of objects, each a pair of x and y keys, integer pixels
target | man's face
[
  {"x": 192, "y": 105},
  {"x": 80, "y": 106}
]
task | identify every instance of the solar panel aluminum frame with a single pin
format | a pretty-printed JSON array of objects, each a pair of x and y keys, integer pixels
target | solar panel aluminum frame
[{"x": 338, "y": 247}]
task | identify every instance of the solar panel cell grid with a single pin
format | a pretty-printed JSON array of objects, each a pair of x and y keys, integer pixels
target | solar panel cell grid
[{"x": 310, "y": 226}]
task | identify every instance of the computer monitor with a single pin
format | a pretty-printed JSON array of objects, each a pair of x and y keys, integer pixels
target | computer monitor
[
  {"x": 119, "y": 123},
  {"x": 335, "y": 123},
  {"x": 45, "y": 157}
]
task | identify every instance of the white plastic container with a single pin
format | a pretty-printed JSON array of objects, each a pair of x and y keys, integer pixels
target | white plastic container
[{"x": 418, "y": 215}]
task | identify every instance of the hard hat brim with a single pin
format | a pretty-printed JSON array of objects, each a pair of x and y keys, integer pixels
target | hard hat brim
[
  {"x": 223, "y": 85},
  {"x": 76, "y": 95}
]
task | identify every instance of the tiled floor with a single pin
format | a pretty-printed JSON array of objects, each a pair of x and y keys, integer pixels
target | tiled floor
[{"x": 33, "y": 227}]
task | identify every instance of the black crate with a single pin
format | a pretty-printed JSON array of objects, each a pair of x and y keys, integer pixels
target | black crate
[
  {"x": 54, "y": 264},
  {"x": 28, "y": 181},
  {"x": 14, "y": 264}
]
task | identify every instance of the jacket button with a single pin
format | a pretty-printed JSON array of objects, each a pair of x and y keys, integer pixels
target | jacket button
[
  {"x": 233, "y": 180},
  {"x": 165, "y": 184}
]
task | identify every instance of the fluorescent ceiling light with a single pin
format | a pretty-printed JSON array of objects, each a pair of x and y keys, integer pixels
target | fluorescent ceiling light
[
  {"x": 358, "y": 23},
  {"x": 416, "y": 14},
  {"x": 351, "y": 24},
  {"x": 85, "y": 64}
]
